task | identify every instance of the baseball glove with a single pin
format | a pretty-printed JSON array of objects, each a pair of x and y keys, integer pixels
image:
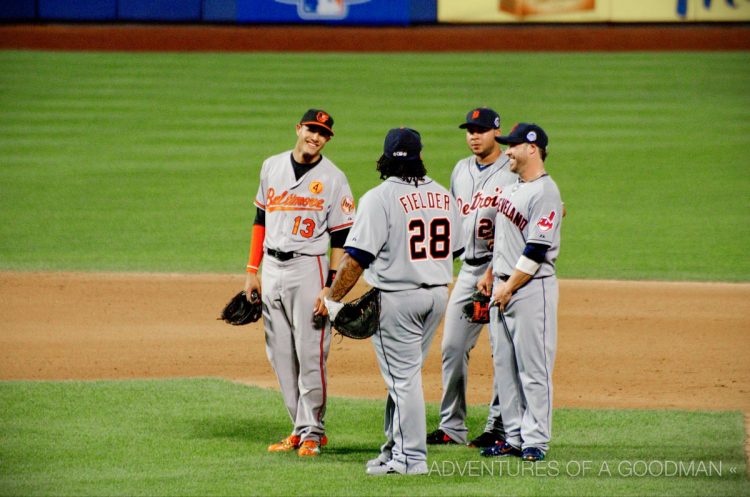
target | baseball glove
[
  {"x": 240, "y": 311},
  {"x": 359, "y": 318},
  {"x": 478, "y": 310}
]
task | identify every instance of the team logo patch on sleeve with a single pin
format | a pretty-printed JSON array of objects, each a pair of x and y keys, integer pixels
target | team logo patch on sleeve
[
  {"x": 316, "y": 187},
  {"x": 547, "y": 222},
  {"x": 347, "y": 205}
]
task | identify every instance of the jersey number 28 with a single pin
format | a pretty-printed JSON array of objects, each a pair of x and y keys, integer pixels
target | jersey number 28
[{"x": 437, "y": 247}]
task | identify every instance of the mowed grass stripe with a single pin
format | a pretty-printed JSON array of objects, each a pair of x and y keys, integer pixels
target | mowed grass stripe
[
  {"x": 209, "y": 437},
  {"x": 628, "y": 148}
]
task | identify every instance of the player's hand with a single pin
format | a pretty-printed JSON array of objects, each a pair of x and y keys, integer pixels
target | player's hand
[
  {"x": 252, "y": 283},
  {"x": 484, "y": 285},
  {"x": 501, "y": 296},
  {"x": 320, "y": 306}
]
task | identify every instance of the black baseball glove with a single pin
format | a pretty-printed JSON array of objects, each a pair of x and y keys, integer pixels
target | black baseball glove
[
  {"x": 240, "y": 311},
  {"x": 360, "y": 318},
  {"x": 478, "y": 309}
]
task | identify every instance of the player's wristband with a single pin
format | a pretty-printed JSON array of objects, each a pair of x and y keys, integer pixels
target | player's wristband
[
  {"x": 332, "y": 307},
  {"x": 527, "y": 265},
  {"x": 331, "y": 277}
]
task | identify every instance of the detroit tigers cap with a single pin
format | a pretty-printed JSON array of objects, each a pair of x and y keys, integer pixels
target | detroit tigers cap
[
  {"x": 318, "y": 117},
  {"x": 403, "y": 144},
  {"x": 483, "y": 117},
  {"x": 525, "y": 133}
]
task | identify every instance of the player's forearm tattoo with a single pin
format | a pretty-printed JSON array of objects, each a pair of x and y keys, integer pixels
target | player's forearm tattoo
[{"x": 349, "y": 272}]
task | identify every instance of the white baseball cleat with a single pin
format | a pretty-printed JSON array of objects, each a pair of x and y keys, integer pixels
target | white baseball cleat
[
  {"x": 390, "y": 469},
  {"x": 378, "y": 461}
]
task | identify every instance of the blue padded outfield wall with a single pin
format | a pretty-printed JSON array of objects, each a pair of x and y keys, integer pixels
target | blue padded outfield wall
[
  {"x": 346, "y": 12},
  {"x": 160, "y": 10},
  {"x": 374, "y": 12},
  {"x": 74, "y": 10},
  {"x": 18, "y": 9}
]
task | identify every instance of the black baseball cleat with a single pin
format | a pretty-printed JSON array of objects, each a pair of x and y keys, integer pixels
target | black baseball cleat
[
  {"x": 532, "y": 454},
  {"x": 438, "y": 437},
  {"x": 486, "y": 439},
  {"x": 500, "y": 449}
]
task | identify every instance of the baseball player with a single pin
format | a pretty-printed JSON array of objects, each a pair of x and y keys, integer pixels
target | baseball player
[
  {"x": 476, "y": 184},
  {"x": 304, "y": 204},
  {"x": 523, "y": 319},
  {"x": 404, "y": 240}
]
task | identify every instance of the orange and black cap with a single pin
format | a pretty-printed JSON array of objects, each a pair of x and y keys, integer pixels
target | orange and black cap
[{"x": 318, "y": 117}]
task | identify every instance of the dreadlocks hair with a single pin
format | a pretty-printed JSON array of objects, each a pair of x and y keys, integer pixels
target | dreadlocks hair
[{"x": 411, "y": 171}]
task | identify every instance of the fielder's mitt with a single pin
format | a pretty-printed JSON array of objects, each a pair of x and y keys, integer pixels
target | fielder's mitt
[
  {"x": 360, "y": 318},
  {"x": 478, "y": 310},
  {"x": 240, "y": 311}
]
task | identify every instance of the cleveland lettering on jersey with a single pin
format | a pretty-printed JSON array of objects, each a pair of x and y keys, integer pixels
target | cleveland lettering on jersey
[
  {"x": 289, "y": 201},
  {"x": 430, "y": 200},
  {"x": 479, "y": 201},
  {"x": 509, "y": 211}
]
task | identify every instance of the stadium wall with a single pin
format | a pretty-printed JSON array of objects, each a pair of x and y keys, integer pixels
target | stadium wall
[{"x": 375, "y": 12}]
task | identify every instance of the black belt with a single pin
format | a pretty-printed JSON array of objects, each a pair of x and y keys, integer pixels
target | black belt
[
  {"x": 423, "y": 285},
  {"x": 504, "y": 277},
  {"x": 478, "y": 262},
  {"x": 282, "y": 256}
]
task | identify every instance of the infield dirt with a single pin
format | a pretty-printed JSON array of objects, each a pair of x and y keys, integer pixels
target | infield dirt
[{"x": 620, "y": 344}]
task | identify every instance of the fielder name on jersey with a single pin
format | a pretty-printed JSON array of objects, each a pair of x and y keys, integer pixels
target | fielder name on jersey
[{"x": 428, "y": 200}]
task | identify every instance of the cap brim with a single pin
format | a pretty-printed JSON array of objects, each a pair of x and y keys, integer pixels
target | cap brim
[
  {"x": 319, "y": 125},
  {"x": 505, "y": 140},
  {"x": 466, "y": 125}
]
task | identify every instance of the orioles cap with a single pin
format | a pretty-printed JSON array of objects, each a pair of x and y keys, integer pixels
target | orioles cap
[{"x": 318, "y": 117}]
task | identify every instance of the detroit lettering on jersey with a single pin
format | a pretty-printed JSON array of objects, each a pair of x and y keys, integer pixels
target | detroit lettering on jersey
[
  {"x": 431, "y": 200},
  {"x": 479, "y": 201},
  {"x": 508, "y": 210},
  {"x": 286, "y": 201}
]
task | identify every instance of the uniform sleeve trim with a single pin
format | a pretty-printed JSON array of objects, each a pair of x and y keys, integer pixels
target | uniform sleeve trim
[{"x": 341, "y": 226}]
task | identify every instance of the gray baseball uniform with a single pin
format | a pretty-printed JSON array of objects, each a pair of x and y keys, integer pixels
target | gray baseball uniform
[
  {"x": 525, "y": 334},
  {"x": 300, "y": 215},
  {"x": 477, "y": 194},
  {"x": 411, "y": 232}
]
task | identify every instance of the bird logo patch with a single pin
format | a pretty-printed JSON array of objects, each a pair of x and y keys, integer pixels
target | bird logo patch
[
  {"x": 547, "y": 222},
  {"x": 347, "y": 205}
]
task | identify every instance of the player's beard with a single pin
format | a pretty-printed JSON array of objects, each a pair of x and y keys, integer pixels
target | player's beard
[
  {"x": 310, "y": 152},
  {"x": 307, "y": 157}
]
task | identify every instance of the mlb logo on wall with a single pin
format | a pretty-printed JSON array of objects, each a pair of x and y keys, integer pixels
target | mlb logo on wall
[{"x": 322, "y": 9}]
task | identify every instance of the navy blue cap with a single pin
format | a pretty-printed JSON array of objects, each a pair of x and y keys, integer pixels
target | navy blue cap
[
  {"x": 525, "y": 133},
  {"x": 483, "y": 117},
  {"x": 402, "y": 144},
  {"x": 318, "y": 117}
]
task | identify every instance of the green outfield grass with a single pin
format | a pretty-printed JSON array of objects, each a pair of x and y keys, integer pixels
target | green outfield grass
[
  {"x": 149, "y": 162},
  {"x": 209, "y": 437}
]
